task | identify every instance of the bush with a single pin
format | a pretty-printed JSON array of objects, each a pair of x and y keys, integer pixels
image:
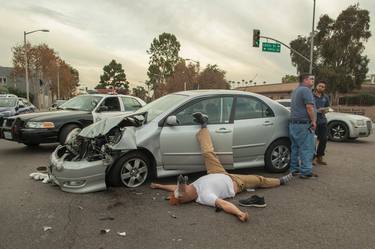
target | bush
[{"x": 360, "y": 100}]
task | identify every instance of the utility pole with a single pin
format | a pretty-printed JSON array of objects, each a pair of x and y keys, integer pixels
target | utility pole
[
  {"x": 312, "y": 41},
  {"x": 26, "y": 63},
  {"x": 58, "y": 80}
]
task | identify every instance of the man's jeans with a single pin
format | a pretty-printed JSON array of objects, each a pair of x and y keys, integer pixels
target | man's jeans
[{"x": 303, "y": 148}]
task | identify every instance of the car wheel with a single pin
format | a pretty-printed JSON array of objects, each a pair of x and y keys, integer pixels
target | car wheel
[
  {"x": 65, "y": 131},
  {"x": 130, "y": 171},
  {"x": 337, "y": 131},
  {"x": 277, "y": 157}
]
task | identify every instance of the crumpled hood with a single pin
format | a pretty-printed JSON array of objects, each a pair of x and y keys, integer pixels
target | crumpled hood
[{"x": 101, "y": 127}]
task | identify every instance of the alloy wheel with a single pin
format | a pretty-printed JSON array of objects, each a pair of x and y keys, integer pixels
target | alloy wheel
[
  {"x": 134, "y": 172},
  {"x": 280, "y": 157},
  {"x": 338, "y": 132}
]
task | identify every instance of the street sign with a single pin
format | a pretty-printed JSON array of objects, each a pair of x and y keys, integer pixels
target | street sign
[{"x": 271, "y": 47}]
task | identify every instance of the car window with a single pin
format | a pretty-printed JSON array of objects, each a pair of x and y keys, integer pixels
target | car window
[
  {"x": 21, "y": 104},
  {"x": 250, "y": 108},
  {"x": 160, "y": 105},
  {"x": 83, "y": 102},
  {"x": 130, "y": 104},
  {"x": 112, "y": 104},
  {"x": 285, "y": 103},
  {"x": 8, "y": 102},
  {"x": 218, "y": 110}
]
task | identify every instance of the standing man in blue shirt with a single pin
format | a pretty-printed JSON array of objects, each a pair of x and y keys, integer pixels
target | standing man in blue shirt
[
  {"x": 302, "y": 126},
  {"x": 322, "y": 105}
]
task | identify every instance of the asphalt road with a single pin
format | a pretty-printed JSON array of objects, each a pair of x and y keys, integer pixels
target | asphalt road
[{"x": 336, "y": 210}]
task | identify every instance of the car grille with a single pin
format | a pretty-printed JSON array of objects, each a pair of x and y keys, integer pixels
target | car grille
[
  {"x": 369, "y": 126},
  {"x": 8, "y": 122}
]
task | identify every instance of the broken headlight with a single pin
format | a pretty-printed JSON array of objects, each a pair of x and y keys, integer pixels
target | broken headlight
[{"x": 114, "y": 135}]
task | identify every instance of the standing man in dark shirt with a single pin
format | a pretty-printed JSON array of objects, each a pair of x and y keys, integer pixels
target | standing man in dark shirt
[
  {"x": 301, "y": 128},
  {"x": 322, "y": 105}
]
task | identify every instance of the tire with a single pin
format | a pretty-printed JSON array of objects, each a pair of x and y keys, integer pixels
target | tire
[
  {"x": 65, "y": 132},
  {"x": 337, "y": 131},
  {"x": 125, "y": 171},
  {"x": 277, "y": 157}
]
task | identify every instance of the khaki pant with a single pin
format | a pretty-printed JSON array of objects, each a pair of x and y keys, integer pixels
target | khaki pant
[{"x": 213, "y": 165}]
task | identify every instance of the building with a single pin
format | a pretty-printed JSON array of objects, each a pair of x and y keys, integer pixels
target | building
[
  {"x": 8, "y": 79},
  {"x": 40, "y": 93},
  {"x": 273, "y": 91}
]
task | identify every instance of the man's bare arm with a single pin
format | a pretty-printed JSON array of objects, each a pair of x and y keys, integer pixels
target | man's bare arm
[
  {"x": 170, "y": 188},
  {"x": 311, "y": 113},
  {"x": 230, "y": 208}
]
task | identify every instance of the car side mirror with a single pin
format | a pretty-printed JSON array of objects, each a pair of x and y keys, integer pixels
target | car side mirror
[
  {"x": 172, "y": 121},
  {"x": 102, "y": 108}
]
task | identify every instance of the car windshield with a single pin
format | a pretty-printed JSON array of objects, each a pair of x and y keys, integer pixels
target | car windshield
[
  {"x": 161, "y": 105},
  {"x": 82, "y": 103},
  {"x": 285, "y": 103},
  {"x": 8, "y": 102}
]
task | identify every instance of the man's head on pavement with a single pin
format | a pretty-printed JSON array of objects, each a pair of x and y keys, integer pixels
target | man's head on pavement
[
  {"x": 188, "y": 194},
  {"x": 307, "y": 79},
  {"x": 321, "y": 86}
]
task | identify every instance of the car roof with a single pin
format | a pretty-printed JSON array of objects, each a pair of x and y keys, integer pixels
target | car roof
[
  {"x": 104, "y": 95},
  {"x": 8, "y": 96},
  {"x": 216, "y": 92}
]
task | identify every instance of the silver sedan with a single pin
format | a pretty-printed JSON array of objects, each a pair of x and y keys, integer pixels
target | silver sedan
[{"x": 247, "y": 129}]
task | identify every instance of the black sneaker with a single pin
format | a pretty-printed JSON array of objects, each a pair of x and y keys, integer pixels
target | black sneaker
[
  {"x": 253, "y": 201},
  {"x": 200, "y": 118},
  {"x": 308, "y": 176}
]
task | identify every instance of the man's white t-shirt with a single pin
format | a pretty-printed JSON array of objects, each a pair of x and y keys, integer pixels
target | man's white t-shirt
[{"x": 213, "y": 186}]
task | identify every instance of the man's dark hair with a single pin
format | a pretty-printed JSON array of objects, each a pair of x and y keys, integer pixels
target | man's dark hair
[
  {"x": 303, "y": 76},
  {"x": 322, "y": 81}
]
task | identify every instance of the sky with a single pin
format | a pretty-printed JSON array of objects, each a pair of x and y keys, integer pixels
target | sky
[{"x": 89, "y": 34}]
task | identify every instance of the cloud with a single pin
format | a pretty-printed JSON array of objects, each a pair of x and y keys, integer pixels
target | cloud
[{"x": 88, "y": 34}]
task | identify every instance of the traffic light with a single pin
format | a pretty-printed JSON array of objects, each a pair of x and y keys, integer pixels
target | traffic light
[{"x": 256, "y": 37}]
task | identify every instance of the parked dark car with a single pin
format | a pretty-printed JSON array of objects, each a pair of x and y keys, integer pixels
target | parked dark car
[{"x": 55, "y": 126}]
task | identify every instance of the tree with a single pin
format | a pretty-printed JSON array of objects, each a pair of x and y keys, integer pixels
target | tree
[
  {"x": 339, "y": 45},
  {"x": 163, "y": 59},
  {"x": 43, "y": 67},
  {"x": 289, "y": 79},
  {"x": 183, "y": 76},
  {"x": 113, "y": 76},
  {"x": 212, "y": 77},
  {"x": 140, "y": 92}
]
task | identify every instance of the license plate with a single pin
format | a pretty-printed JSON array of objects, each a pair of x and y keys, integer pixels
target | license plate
[{"x": 7, "y": 135}]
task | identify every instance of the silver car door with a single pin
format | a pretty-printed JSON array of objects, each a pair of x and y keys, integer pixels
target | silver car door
[
  {"x": 253, "y": 128},
  {"x": 179, "y": 146}
]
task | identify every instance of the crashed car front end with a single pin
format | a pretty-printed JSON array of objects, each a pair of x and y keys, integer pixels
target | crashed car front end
[{"x": 81, "y": 164}]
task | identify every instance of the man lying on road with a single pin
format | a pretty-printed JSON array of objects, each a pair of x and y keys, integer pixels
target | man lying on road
[{"x": 217, "y": 185}]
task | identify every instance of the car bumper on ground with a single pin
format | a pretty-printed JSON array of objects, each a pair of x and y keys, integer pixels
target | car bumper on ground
[
  {"x": 30, "y": 136},
  {"x": 76, "y": 176}
]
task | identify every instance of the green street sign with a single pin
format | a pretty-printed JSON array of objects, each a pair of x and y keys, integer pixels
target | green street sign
[{"x": 271, "y": 47}]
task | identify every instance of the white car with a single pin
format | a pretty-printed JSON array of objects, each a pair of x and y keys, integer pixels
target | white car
[{"x": 342, "y": 126}]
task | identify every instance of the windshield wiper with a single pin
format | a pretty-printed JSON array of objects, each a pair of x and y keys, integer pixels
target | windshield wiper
[{"x": 70, "y": 108}]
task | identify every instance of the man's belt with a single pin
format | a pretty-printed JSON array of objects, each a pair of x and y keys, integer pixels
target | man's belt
[{"x": 299, "y": 121}]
